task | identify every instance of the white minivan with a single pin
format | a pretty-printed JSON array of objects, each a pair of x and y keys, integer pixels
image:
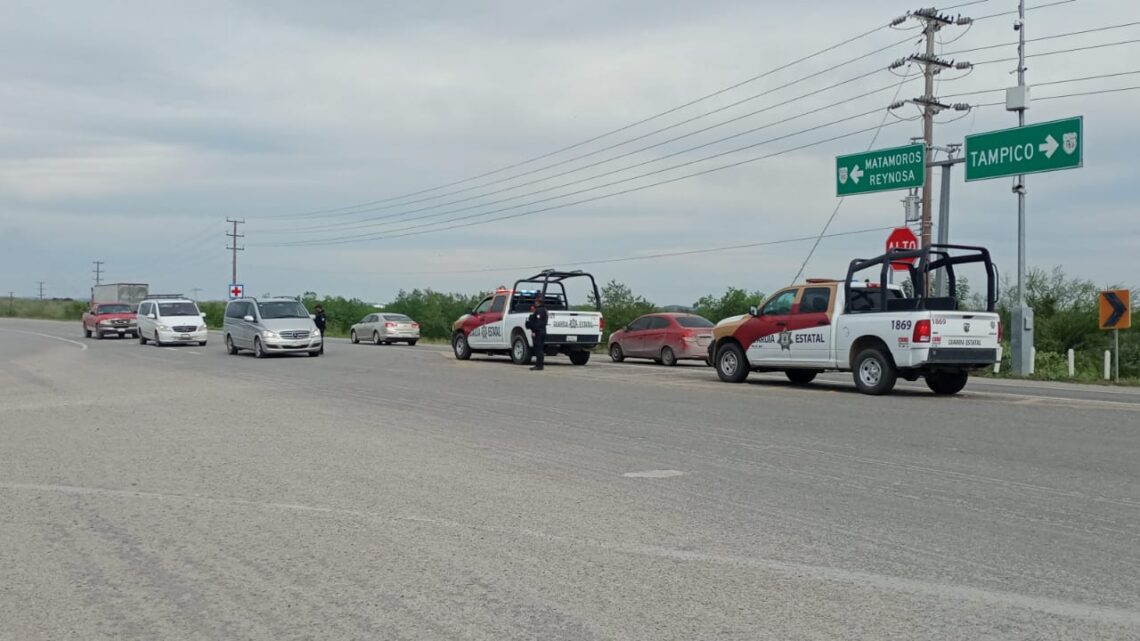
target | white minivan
[{"x": 167, "y": 321}]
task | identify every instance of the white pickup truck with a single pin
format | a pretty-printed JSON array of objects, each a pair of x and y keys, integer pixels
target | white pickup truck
[
  {"x": 497, "y": 325},
  {"x": 873, "y": 330}
]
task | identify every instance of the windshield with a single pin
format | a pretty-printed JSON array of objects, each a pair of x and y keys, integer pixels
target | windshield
[
  {"x": 178, "y": 309},
  {"x": 396, "y": 317},
  {"x": 693, "y": 321},
  {"x": 114, "y": 309},
  {"x": 282, "y": 309}
]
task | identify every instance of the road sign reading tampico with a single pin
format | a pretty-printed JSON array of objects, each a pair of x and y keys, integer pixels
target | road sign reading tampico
[
  {"x": 1115, "y": 310},
  {"x": 1046, "y": 146},
  {"x": 880, "y": 170}
]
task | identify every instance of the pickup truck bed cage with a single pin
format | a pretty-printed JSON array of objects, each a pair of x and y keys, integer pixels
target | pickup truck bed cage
[
  {"x": 929, "y": 261},
  {"x": 524, "y": 297}
]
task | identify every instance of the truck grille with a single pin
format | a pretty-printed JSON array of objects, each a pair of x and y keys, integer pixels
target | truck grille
[{"x": 294, "y": 334}]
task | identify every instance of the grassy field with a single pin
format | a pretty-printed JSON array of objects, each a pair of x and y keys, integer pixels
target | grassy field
[{"x": 48, "y": 309}]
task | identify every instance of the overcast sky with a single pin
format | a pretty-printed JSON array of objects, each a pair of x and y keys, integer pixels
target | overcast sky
[{"x": 129, "y": 131}]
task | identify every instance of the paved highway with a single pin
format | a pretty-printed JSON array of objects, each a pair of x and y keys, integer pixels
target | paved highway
[{"x": 395, "y": 493}]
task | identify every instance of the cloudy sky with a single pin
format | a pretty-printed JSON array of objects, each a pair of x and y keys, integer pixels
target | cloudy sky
[{"x": 341, "y": 132}]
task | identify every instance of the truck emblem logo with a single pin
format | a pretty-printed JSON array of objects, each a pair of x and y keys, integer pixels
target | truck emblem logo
[
  {"x": 573, "y": 322},
  {"x": 786, "y": 340},
  {"x": 966, "y": 327}
]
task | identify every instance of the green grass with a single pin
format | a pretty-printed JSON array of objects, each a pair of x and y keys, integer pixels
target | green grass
[{"x": 51, "y": 309}]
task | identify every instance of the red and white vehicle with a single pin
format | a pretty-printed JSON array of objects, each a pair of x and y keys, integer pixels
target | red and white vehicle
[
  {"x": 873, "y": 330},
  {"x": 497, "y": 325},
  {"x": 105, "y": 319}
]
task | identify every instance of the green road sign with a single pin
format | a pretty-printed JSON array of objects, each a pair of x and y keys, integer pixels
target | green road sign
[
  {"x": 881, "y": 170},
  {"x": 1047, "y": 146}
]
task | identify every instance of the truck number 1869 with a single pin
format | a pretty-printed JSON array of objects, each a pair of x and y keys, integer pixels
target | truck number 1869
[{"x": 901, "y": 324}]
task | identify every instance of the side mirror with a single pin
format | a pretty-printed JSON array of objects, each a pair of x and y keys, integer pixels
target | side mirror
[
  {"x": 753, "y": 311},
  {"x": 247, "y": 318},
  {"x": 151, "y": 316},
  {"x": 312, "y": 317}
]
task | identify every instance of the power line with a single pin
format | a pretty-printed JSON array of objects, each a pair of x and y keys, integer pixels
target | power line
[
  {"x": 1095, "y": 92},
  {"x": 1046, "y": 84},
  {"x": 387, "y": 203},
  {"x": 365, "y": 223},
  {"x": 1043, "y": 38},
  {"x": 838, "y": 205},
  {"x": 1054, "y": 53},
  {"x": 365, "y": 237},
  {"x": 1014, "y": 12}
]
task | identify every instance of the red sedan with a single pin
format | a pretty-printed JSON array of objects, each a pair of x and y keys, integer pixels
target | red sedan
[{"x": 665, "y": 338}]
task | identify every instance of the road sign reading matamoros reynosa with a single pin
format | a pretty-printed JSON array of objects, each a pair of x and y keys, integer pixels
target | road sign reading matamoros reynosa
[
  {"x": 1046, "y": 146},
  {"x": 881, "y": 170}
]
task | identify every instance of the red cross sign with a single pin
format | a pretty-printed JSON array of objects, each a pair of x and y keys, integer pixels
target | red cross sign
[{"x": 236, "y": 290}]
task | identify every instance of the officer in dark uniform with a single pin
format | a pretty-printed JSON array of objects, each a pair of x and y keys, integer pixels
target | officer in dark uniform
[
  {"x": 537, "y": 324},
  {"x": 320, "y": 321}
]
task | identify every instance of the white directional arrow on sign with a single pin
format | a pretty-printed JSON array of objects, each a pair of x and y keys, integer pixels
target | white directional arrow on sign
[
  {"x": 1049, "y": 146},
  {"x": 857, "y": 173}
]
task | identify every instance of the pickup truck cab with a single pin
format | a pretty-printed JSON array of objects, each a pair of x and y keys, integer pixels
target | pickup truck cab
[
  {"x": 874, "y": 330},
  {"x": 497, "y": 325},
  {"x": 106, "y": 319}
]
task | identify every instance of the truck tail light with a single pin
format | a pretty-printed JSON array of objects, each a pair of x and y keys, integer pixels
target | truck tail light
[
  {"x": 602, "y": 324},
  {"x": 999, "y": 331},
  {"x": 921, "y": 332}
]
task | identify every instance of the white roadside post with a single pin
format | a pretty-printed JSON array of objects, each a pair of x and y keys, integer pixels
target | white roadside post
[
  {"x": 1107, "y": 364},
  {"x": 1072, "y": 363},
  {"x": 1032, "y": 361}
]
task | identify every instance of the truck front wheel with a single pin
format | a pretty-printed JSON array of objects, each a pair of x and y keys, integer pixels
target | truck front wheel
[
  {"x": 731, "y": 364},
  {"x": 874, "y": 372},
  {"x": 460, "y": 346},
  {"x": 947, "y": 383}
]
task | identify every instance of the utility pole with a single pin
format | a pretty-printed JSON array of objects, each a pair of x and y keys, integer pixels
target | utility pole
[
  {"x": 1021, "y": 319},
  {"x": 98, "y": 271},
  {"x": 233, "y": 246},
  {"x": 195, "y": 290},
  {"x": 41, "y": 290},
  {"x": 944, "y": 209},
  {"x": 11, "y": 303},
  {"x": 932, "y": 22}
]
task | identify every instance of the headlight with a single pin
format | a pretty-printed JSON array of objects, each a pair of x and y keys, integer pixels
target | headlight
[
  {"x": 268, "y": 334},
  {"x": 202, "y": 328},
  {"x": 316, "y": 332},
  {"x": 162, "y": 327}
]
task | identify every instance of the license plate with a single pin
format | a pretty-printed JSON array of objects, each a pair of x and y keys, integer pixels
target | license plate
[
  {"x": 571, "y": 339},
  {"x": 185, "y": 337}
]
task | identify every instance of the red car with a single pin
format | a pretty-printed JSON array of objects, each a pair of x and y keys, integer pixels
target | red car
[
  {"x": 665, "y": 338},
  {"x": 106, "y": 319}
]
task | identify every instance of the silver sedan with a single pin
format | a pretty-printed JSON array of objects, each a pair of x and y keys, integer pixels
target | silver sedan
[{"x": 385, "y": 328}]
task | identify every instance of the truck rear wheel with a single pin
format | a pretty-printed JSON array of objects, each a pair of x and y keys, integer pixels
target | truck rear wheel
[
  {"x": 801, "y": 376},
  {"x": 947, "y": 383},
  {"x": 874, "y": 373},
  {"x": 579, "y": 357},
  {"x": 520, "y": 350},
  {"x": 731, "y": 364}
]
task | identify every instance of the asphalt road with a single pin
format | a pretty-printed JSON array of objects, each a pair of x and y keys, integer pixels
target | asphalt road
[{"x": 395, "y": 493}]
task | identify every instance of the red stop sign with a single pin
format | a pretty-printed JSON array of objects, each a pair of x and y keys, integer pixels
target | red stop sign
[{"x": 902, "y": 238}]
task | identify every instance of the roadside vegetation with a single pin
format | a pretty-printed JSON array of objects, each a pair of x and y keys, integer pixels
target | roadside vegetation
[{"x": 1065, "y": 318}]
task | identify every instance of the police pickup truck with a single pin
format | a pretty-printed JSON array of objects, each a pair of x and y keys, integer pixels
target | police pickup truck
[
  {"x": 871, "y": 329},
  {"x": 497, "y": 325}
]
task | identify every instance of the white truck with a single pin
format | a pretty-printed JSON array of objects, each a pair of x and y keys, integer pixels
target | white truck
[
  {"x": 129, "y": 293},
  {"x": 872, "y": 329},
  {"x": 497, "y": 325}
]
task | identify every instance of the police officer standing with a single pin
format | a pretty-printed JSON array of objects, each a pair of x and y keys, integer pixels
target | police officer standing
[
  {"x": 537, "y": 324},
  {"x": 320, "y": 321}
]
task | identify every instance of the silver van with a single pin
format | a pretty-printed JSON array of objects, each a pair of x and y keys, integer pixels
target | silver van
[{"x": 270, "y": 325}]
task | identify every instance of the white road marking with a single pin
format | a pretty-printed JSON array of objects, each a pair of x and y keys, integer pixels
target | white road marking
[
  {"x": 55, "y": 338},
  {"x": 799, "y": 571},
  {"x": 653, "y": 474},
  {"x": 193, "y": 352}
]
